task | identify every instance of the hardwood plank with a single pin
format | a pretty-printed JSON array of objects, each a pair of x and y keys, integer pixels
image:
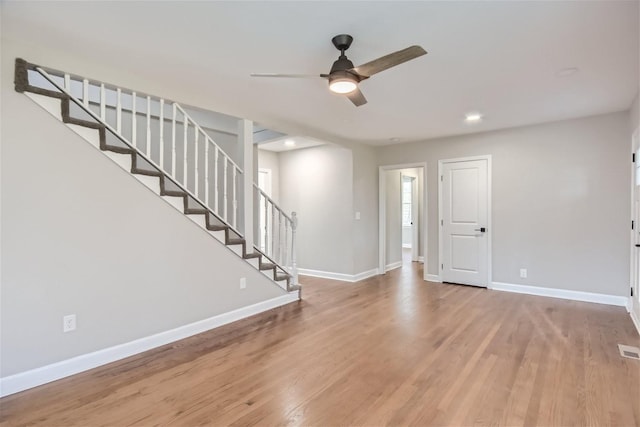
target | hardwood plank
[{"x": 390, "y": 350}]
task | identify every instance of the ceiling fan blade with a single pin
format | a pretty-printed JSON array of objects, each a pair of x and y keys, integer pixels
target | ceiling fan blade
[
  {"x": 293, "y": 76},
  {"x": 357, "y": 97},
  {"x": 388, "y": 61}
]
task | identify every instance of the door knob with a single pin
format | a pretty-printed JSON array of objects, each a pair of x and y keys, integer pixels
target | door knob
[{"x": 481, "y": 229}]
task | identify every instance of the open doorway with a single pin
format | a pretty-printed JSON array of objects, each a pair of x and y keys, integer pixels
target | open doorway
[
  {"x": 403, "y": 216},
  {"x": 410, "y": 218}
]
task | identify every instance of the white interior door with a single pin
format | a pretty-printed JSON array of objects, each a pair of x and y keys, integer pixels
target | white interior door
[{"x": 464, "y": 201}]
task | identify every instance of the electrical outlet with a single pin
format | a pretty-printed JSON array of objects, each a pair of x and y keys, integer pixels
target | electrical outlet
[
  {"x": 243, "y": 282},
  {"x": 357, "y": 215},
  {"x": 69, "y": 323},
  {"x": 523, "y": 273}
]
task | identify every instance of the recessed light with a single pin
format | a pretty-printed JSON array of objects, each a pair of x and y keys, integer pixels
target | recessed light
[
  {"x": 290, "y": 143},
  {"x": 566, "y": 72},
  {"x": 472, "y": 117}
]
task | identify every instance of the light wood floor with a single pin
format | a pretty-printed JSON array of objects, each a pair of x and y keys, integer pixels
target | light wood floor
[{"x": 385, "y": 351}]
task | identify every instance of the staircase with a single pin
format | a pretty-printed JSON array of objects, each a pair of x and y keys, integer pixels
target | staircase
[{"x": 163, "y": 147}]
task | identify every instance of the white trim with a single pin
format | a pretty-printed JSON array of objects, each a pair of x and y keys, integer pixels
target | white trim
[
  {"x": 393, "y": 266},
  {"x": 421, "y": 259},
  {"x": 633, "y": 250},
  {"x": 338, "y": 276},
  {"x": 55, "y": 371},
  {"x": 269, "y": 184},
  {"x": 441, "y": 163},
  {"x": 561, "y": 293},
  {"x": 635, "y": 320},
  {"x": 406, "y": 245},
  {"x": 365, "y": 274},
  {"x": 434, "y": 278},
  {"x": 382, "y": 211}
]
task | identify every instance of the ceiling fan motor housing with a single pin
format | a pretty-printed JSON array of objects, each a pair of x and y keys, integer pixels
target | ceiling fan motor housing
[{"x": 341, "y": 64}]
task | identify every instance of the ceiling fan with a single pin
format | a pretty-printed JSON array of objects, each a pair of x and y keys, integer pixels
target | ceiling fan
[{"x": 344, "y": 77}]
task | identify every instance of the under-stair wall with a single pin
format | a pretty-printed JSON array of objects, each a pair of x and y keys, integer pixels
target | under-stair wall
[{"x": 80, "y": 236}]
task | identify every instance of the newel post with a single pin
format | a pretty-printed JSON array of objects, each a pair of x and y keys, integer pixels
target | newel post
[
  {"x": 294, "y": 257},
  {"x": 245, "y": 137}
]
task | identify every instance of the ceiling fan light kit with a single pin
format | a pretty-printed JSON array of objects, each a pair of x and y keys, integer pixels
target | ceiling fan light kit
[
  {"x": 344, "y": 77},
  {"x": 342, "y": 82}
]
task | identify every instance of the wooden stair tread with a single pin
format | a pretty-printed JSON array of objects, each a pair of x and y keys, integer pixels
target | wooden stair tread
[
  {"x": 146, "y": 172},
  {"x": 252, "y": 255},
  {"x": 267, "y": 266},
  {"x": 195, "y": 211},
  {"x": 172, "y": 193},
  {"x": 235, "y": 241}
]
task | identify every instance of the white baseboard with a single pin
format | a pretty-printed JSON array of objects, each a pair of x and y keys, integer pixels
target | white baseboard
[
  {"x": 421, "y": 259},
  {"x": 338, "y": 276},
  {"x": 45, "y": 374},
  {"x": 561, "y": 293},
  {"x": 393, "y": 266},
  {"x": 636, "y": 320},
  {"x": 406, "y": 245},
  {"x": 434, "y": 278},
  {"x": 365, "y": 275}
]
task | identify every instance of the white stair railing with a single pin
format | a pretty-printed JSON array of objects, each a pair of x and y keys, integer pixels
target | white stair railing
[
  {"x": 184, "y": 151},
  {"x": 277, "y": 233},
  {"x": 165, "y": 136}
]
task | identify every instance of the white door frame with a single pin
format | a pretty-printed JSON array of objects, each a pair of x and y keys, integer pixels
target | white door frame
[
  {"x": 441, "y": 163},
  {"x": 415, "y": 220},
  {"x": 267, "y": 172},
  {"x": 382, "y": 215},
  {"x": 633, "y": 267}
]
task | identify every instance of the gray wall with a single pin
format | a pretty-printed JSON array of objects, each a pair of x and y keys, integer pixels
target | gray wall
[
  {"x": 634, "y": 114},
  {"x": 365, "y": 201},
  {"x": 560, "y": 200},
  {"x": 393, "y": 217},
  {"x": 317, "y": 183},
  {"x": 81, "y": 236}
]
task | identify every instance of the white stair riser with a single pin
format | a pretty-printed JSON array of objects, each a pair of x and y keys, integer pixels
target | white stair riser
[
  {"x": 90, "y": 135},
  {"x": 268, "y": 273},
  {"x": 255, "y": 262},
  {"x": 198, "y": 219},
  {"x": 51, "y": 105},
  {"x": 176, "y": 202},
  {"x": 152, "y": 182},
  {"x": 237, "y": 249},
  {"x": 218, "y": 235},
  {"x": 123, "y": 160}
]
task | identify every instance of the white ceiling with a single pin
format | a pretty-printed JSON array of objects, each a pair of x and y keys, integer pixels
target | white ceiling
[
  {"x": 290, "y": 143},
  {"x": 498, "y": 58}
]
